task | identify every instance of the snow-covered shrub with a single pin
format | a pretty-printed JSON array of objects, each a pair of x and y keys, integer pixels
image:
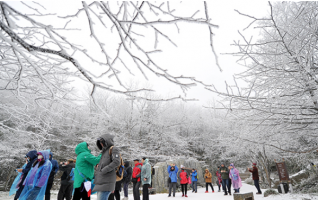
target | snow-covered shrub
[
  {"x": 308, "y": 186},
  {"x": 270, "y": 192},
  {"x": 249, "y": 181}
]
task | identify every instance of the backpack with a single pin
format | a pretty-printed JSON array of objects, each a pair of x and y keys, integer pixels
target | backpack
[
  {"x": 153, "y": 171},
  {"x": 125, "y": 173},
  {"x": 70, "y": 177},
  {"x": 120, "y": 170}
]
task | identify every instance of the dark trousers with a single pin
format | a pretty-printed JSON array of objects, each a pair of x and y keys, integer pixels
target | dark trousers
[
  {"x": 226, "y": 184},
  {"x": 126, "y": 189},
  {"x": 172, "y": 186},
  {"x": 48, "y": 190},
  {"x": 65, "y": 192},
  {"x": 117, "y": 194},
  {"x": 136, "y": 190},
  {"x": 194, "y": 186},
  {"x": 256, "y": 183},
  {"x": 145, "y": 192},
  {"x": 207, "y": 186},
  {"x": 184, "y": 188},
  {"x": 81, "y": 193},
  {"x": 219, "y": 185},
  {"x": 17, "y": 194}
]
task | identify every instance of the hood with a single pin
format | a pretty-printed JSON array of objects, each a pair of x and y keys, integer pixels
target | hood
[
  {"x": 45, "y": 154},
  {"x": 51, "y": 155},
  {"x": 138, "y": 164},
  {"x": 126, "y": 164},
  {"x": 81, "y": 147},
  {"x": 32, "y": 154},
  {"x": 232, "y": 165},
  {"x": 146, "y": 161},
  {"x": 207, "y": 170},
  {"x": 109, "y": 140}
]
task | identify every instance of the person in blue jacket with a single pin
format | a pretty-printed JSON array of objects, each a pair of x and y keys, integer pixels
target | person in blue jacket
[
  {"x": 36, "y": 181},
  {"x": 194, "y": 180},
  {"x": 173, "y": 175},
  {"x": 30, "y": 157},
  {"x": 55, "y": 169}
]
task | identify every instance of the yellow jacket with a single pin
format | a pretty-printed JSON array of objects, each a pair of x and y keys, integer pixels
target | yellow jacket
[{"x": 208, "y": 176}]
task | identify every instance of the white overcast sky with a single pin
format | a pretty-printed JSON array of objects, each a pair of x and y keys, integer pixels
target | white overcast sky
[{"x": 192, "y": 56}]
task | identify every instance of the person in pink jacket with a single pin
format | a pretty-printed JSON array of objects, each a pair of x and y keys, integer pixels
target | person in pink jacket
[{"x": 235, "y": 177}]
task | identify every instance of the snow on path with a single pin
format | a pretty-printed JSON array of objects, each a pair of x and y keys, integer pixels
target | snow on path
[{"x": 202, "y": 196}]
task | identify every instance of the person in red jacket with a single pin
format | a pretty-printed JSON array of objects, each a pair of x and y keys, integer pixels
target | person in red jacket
[
  {"x": 136, "y": 179},
  {"x": 255, "y": 177},
  {"x": 183, "y": 175}
]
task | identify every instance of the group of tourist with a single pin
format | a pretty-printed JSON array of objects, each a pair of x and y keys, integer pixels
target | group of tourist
[
  {"x": 226, "y": 177},
  {"x": 104, "y": 174},
  {"x": 37, "y": 176}
]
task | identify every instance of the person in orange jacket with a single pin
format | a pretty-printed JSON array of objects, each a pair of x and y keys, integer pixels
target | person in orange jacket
[{"x": 208, "y": 180}]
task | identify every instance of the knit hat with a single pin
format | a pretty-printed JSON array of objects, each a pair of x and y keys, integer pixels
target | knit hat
[
  {"x": 182, "y": 166},
  {"x": 254, "y": 164}
]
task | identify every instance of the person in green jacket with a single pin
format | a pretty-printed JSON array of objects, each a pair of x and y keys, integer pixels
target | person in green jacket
[
  {"x": 225, "y": 179},
  {"x": 145, "y": 178},
  {"x": 85, "y": 163}
]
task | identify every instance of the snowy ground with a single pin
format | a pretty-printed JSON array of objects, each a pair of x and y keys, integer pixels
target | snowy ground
[{"x": 202, "y": 196}]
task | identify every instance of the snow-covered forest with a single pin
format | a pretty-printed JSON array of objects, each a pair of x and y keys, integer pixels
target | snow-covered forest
[{"x": 71, "y": 76}]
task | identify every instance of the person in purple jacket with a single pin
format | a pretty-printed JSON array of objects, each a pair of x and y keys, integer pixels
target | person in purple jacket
[
  {"x": 36, "y": 181},
  {"x": 235, "y": 177}
]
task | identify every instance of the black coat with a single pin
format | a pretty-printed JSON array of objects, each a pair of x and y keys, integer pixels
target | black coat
[
  {"x": 128, "y": 169},
  {"x": 67, "y": 170}
]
